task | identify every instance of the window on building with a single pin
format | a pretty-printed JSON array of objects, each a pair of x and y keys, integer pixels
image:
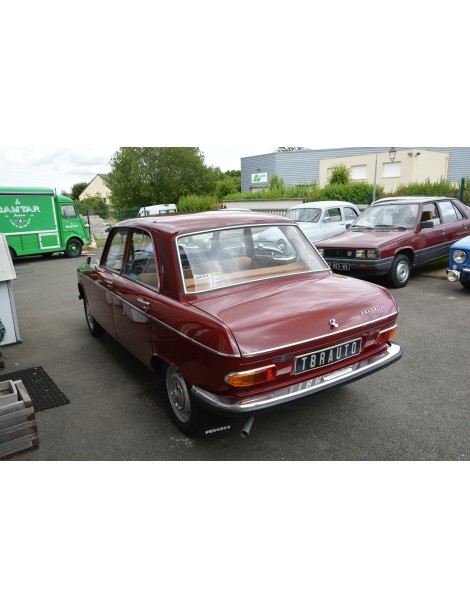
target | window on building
[
  {"x": 359, "y": 172},
  {"x": 391, "y": 170}
]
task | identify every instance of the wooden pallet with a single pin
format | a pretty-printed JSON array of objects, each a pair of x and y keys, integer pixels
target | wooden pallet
[{"x": 18, "y": 429}]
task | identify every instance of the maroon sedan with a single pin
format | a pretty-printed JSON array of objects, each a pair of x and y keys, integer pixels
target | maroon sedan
[
  {"x": 390, "y": 238},
  {"x": 238, "y": 310}
]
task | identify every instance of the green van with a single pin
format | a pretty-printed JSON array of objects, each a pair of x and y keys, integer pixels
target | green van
[{"x": 37, "y": 221}]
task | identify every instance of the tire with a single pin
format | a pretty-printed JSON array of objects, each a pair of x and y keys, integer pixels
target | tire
[
  {"x": 185, "y": 412},
  {"x": 399, "y": 274},
  {"x": 12, "y": 253},
  {"x": 73, "y": 249},
  {"x": 94, "y": 327}
]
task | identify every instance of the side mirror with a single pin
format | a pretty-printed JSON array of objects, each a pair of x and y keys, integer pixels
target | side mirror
[{"x": 426, "y": 224}]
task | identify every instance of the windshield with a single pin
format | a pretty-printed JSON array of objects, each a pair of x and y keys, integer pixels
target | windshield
[
  {"x": 388, "y": 216},
  {"x": 304, "y": 214},
  {"x": 222, "y": 258}
]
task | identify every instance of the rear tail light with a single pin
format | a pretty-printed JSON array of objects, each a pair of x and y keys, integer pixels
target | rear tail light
[
  {"x": 386, "y": 335},
  {"x": 251, "y": 377}
]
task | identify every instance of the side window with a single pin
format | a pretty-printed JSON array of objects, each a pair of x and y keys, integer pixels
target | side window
[
  {"x": 140, "y": 264},
  {"x": 115, "y": 255},
  {"x": 430, "y": 212},
  {"x": 68, "y": 211},
  {"x": 349, "y": 214},
  {"x": 447, "y": 211},
  {"x": 333, "y": 215}
]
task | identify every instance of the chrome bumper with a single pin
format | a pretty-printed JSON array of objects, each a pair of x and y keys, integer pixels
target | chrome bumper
[{"x": 300, "y": 390}]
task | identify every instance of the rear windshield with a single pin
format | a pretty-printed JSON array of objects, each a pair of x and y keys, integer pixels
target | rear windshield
[{"x": 217, "y": 259}]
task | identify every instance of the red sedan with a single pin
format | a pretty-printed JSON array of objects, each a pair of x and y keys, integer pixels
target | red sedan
[
  {"x": 392, "y": 237},
  {"x": 239, "y": 311}
]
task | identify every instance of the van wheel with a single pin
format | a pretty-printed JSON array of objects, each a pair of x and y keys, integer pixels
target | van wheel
[
  {"x": 399, "y": 274},
  {"x": 73, "y": 248},
  {"x": 94, "y": 327},
  {"x": 185, "y": 412}
]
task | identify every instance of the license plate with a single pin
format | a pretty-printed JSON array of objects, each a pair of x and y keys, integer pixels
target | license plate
[
  {"x": 327, "y": 357},
  {"x": 340, "y": 266}
]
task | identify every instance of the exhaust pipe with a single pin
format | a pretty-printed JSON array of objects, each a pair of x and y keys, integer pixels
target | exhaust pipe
[{"x": 247, "y": 427}]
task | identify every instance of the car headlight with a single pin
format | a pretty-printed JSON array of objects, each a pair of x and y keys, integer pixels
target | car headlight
[
  {"x": 372, "y": 254},
  {"x": 321, "y": 251},
  {"x": 360, "y": 253},
  {"x": 459, "y": 256}
]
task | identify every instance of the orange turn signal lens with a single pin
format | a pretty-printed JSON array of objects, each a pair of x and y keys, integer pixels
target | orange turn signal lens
[
  {"x": 386, "y": 335},
  {"x": 251, "y": 377}
]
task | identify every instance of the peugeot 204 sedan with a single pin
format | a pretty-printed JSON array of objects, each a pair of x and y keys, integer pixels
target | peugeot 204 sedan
[
  {"x": 236, "y": 325},
  {"x": 394, "y": 236}
]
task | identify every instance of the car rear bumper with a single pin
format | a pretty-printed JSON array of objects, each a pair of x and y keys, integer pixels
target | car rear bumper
[{"x": 299, "y": 390}]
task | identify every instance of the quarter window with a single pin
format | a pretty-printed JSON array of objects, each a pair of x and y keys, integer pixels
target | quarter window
[
  {"x": 115, "y": 255},
  {"x": 349, "y": 214},
  {"x": 448, "y": 212}
]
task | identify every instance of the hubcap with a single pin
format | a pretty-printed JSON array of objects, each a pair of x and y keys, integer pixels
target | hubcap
[
  {"x": 402, "y": 272},
  {"x": 178, "y": 395}
]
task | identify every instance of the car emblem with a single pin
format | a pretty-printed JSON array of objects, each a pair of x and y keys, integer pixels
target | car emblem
[
  {"x": 333, "y": 323},
  {"x": 349, "y": 254}
]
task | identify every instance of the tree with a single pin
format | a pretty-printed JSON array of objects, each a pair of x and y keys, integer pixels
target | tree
[
  {"x": 147, "y": 176},
  {"x": 288, "y": 149},
  {"x": 340, "y": 174},
  {"x": 77, "y": 190}
]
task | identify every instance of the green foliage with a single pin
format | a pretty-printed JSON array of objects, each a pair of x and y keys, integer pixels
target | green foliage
[
  {"x": 77, "y": 190},
  {"x": 148, "y": 176},
  {"x": 194, "y": 203},
  {"x": 340, "y": 174},
  {"x": 93, "y": 204},
  {"x": 443, "y": 188},
  {"x": 227, "y": 185},
  {"x": 354, "y": 192}
]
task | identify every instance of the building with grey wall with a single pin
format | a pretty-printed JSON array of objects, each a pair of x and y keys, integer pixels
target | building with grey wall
[{"x": 304, "y": 166}]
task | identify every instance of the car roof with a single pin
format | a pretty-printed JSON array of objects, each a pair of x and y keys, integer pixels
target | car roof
[
  {"x": 210, "y": 220},
  {"x": 410, "y": 199},
  {"x": 320, "y": 204}
]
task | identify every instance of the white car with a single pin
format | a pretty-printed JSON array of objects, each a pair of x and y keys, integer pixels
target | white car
[{"x": 321, "y": 220}]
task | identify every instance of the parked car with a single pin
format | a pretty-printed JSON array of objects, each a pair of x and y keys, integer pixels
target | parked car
[
  {"x": 391, "y": 238},
  {"x": 323, "y": 219},
  {"x": 234, "y": 330},
  {"x": 459, "y": 262}
]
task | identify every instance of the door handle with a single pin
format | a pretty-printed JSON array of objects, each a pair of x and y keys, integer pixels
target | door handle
[{"x": 145, "y": 303}]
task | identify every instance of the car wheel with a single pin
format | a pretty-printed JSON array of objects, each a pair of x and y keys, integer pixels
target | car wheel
[
  {"x": 465, "y": 284},
  {"x": 73, "y": 248},
  {"x": 93, "y": 325},
  {"x": 399, "y": 274},
  {"x": 12, "y": 253},
  {"x": 185, "y": 412}
]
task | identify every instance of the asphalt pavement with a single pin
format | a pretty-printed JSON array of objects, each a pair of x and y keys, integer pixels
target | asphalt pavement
[{"x": 415, "y": 410}]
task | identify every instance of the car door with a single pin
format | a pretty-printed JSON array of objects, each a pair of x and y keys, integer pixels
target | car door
[
  {"x": 333, "y": 222},
  {"x": 455, "y": 224},
  {"x": 108, "y": 271},
  {"x": 433, "y": 241},
  {"x": 136, "y": 291}
]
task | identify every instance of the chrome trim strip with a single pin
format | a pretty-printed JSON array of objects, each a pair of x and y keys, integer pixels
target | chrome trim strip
[
  {"x": 316, "y": 338},
  {"x": 348, "y": 374}
]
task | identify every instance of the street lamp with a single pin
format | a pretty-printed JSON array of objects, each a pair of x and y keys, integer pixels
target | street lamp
[{"x": 392, "y": 154}]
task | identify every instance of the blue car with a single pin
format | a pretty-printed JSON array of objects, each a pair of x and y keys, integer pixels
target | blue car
[{"x": 459, "y": 262}]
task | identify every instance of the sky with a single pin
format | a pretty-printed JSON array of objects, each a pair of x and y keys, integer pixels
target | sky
[{"x": 61, "y": 168}]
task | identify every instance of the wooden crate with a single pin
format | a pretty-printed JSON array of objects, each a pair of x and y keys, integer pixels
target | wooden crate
[{"x": 18, "y": 429}]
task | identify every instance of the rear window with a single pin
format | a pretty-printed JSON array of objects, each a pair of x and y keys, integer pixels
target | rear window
[{"x": 218, "y": 259}]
